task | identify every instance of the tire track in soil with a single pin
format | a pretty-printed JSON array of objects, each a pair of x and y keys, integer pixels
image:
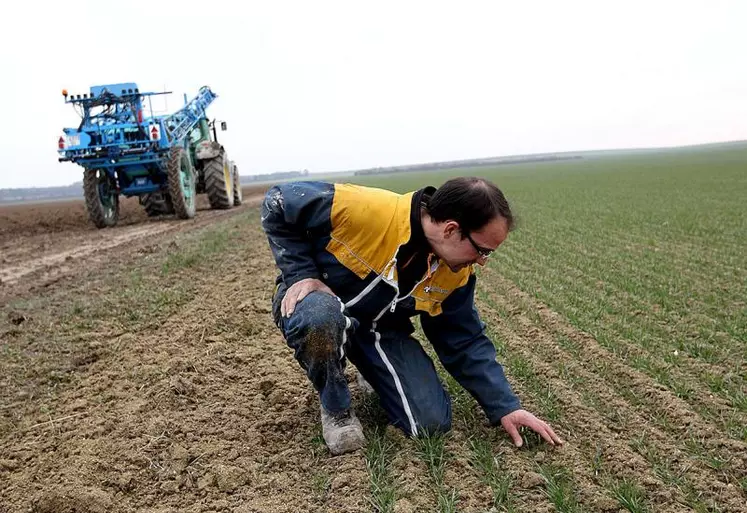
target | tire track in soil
[
  {"x": 209, "y": 410},
  {"x": 37, "y": 266},
  {"x": 537, "y": 345},
  {"x": 11, "y": 274}
]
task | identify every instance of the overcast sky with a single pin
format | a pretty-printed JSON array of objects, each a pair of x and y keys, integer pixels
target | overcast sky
[{"x": 331, "y": 86}]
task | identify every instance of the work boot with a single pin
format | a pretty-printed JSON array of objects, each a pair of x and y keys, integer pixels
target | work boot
[{"x": 342, "y": 431}]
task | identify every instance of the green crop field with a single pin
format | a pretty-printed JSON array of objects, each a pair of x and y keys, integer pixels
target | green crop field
[{"x": 619, "y": 307}]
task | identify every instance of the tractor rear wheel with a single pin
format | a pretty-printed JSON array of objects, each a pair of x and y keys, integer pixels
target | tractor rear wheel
[
  {"x": 218, "y": 182},
  {"x": 181, "y": 177},
  {"x": 238, "y": 195},
  {"x": 157, "y": 204},
  {"x": 102, "y": 198}
]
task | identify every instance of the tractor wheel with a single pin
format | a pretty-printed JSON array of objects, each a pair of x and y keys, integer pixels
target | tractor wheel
[
  {"x": 102, "y": 198},
  {"x": 157, "y": 204},
  {"x": 218, "y": 182},
  {"x": 238, "y": 195},
  {"x": 181, "y": 177}
]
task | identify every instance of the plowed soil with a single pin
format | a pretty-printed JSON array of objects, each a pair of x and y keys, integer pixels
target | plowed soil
[
  {"x": 140, "y": 370},
  {"x": 41, "y": 243}
]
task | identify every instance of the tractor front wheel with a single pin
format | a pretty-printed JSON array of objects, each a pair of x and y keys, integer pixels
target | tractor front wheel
[
  {"x": 102, "y": 198},
  {"x": 218, "y": 182},
  {"x": 181, "y": 177}
]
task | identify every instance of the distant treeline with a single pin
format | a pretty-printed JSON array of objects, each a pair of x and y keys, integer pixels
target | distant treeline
[
  {"x": 72, "y": 191},
  {"x": 75, "y": 190},
  {"x": 281, "y": 175},
  {"x": 454, "y": 164}
]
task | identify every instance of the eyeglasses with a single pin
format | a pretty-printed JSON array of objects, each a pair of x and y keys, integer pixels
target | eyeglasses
[{"x": 484, "y": 252}]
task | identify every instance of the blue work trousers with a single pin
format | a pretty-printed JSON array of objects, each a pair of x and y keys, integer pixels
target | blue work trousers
[{"x": 395, "y": 364}]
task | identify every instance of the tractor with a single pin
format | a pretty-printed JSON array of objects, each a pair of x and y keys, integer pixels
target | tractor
[{"x": 164, "y": 160}]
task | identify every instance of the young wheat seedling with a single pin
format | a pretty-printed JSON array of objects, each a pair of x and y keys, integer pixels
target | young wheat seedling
[
  {"x": 630, "y": 496},
  {"x": 379, "y": 454},
  {"x": 482, "y": 459},
  {"x": 431, "y": 450}
]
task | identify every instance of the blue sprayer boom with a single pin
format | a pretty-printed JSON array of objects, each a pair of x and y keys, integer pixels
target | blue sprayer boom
[{"x": 164, "y": 160}]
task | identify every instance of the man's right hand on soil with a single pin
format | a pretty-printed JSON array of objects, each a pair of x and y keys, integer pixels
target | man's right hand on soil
[
  {"x": 300, "y": 290},
  {"x": 518, "y": 418}
]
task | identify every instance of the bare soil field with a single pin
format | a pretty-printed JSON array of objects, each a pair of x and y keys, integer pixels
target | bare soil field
[
  {"x": 41, "y": 243},
  {"x": 140, "y": 370}
]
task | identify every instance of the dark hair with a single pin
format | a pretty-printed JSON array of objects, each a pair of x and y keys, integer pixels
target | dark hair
[{"x": 470, "y": 201}]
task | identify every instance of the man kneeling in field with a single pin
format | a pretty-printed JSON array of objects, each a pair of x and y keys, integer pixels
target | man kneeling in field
[{"x": 356, "y": 264}]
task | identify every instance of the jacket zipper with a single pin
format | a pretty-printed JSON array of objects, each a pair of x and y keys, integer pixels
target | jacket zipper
[{"x": 432, "y": 269}]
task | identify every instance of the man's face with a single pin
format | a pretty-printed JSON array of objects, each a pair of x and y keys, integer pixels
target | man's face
[{"x": 460, "y": 249}]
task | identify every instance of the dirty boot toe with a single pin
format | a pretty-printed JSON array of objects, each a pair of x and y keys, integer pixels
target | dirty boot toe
[{"x": 342, "y": 431}]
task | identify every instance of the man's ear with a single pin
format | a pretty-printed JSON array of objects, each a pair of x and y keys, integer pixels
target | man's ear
[{"x": 451, "y": 228}]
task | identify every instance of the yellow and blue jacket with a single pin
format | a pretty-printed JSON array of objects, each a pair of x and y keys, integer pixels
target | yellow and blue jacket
[{"x": 349, "y": 237}]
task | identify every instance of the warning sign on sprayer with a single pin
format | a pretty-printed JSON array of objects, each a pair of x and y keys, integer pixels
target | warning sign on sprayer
[{"x": 155, "y": 132}]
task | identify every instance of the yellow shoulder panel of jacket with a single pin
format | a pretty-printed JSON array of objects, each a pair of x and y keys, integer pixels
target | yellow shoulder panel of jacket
[
  {"x": 368, "y": 226},
  {"x": 432, "y": 292}
]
